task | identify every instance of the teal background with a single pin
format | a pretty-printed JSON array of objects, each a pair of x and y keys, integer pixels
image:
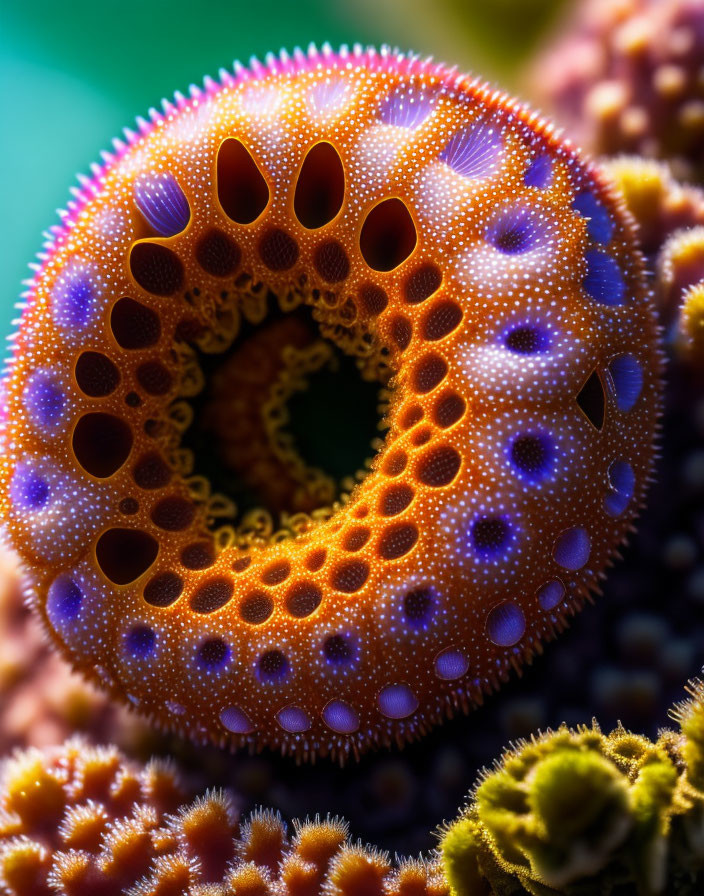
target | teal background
[{"x": 72, "y": 75}]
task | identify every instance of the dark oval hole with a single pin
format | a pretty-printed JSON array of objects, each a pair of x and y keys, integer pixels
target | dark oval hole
[
  {"x": 303, "y": 599},
  {"x": 199, "y": 555},
  {"x": 428, "y": 373},
  {"x": 401, "y": 331},
  {"x": 422, "y": 283},
  {"x": 154, "y": 378},
  {"x": 242, "y": 190},
  {"x": 125, "y": 554},
  {"x": 276, "y": 572},
  {"x": 592, "y": 401},
  {"x": 418, "y": 606},
  {"x": 212, "y": 595},
  {"x": 331, "y": 261},
  {"x": 439, "y": 466},
  {"x": 151, "y": 471},
  {"x": 128, "y": 506},
  {"x": 101, "y": 443},
  {"x": 213, "y": 653},
  {"x": 443, "y": 318},
  {"x": 96, "y": 375},
  {"x": 372, "y": 298},
  {"x": 256, "y": 608},
  {"x": 217, "y": 254},
  {"x": 156, "y": 268},
  {"x": 388, "y": 235},
  {"x": 163, "y": 589},
  {"x": 278, "y": 249},
  {"x": 449, "y": 409},
  {"x": 173, "y": 513},
  {"x": 350, "y": 576},
  {"x": 134, "y": 325},
  {"x": 320, "y": 189}
]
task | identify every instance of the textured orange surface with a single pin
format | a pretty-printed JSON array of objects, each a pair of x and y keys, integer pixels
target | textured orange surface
[
  {"x": 78, "y": 819},
  {"x": 452, "y": 241}
]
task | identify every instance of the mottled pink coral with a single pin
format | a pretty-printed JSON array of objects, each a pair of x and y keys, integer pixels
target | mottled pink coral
[
  {"x": 625, "y": 76},
  {"x": 42, "y": 701}
]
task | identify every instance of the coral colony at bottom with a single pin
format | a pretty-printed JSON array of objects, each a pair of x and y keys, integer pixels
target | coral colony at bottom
[
  {"x": 557, "y": 812},
  {"x": 480, "y": 296}
]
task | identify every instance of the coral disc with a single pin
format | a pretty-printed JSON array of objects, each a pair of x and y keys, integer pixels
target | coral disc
[{"x": 476, "y": 267}]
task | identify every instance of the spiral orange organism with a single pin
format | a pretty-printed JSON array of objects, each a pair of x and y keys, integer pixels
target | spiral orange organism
[{"x": 472, "y": 262}]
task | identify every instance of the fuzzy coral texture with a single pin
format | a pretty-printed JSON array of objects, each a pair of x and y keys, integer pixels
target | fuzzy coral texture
[
  {"x": 565, "y": 813},
  {"x": 670, "y": 218},
  {"x": 78, "y": 819},
  {"x": 577, "y": 812}
]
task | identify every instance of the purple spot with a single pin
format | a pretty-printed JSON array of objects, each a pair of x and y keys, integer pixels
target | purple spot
[
  {"x": 339, "y": 650},
  {"x": 236, "y": 721},
  {"x": 572, "y": 549},
  {"x": 505, "y": 624},
  {"x": 491, "y": 536},
  {"x": 622, "y": 481},
  {"x": 527, "y": 339},
  {"x": 627, "y": 377},
  {"x": 419, "y": 605},
  {"x": 272, "y": 666},
  {"x": 539, "y": 173},
  {"x": 474, "y": 151},
  {"x": 406, "y": 107},
  {"x": 451, "y": 664},
  {"x": 550, "y": 595},
  {"x": 293, "y": 719},
  {"x": 513, "y": 231},
  {"x": 599, "y": 224},
  {"x": 74, "y": 298},
  {"x": 397, "y": 701},
  {"x": 213, "y": 653},
  {"x": 163, "y": 203},
  {"x": 604, "y": 281},
  {"x": 44, "y": 399},
  {"x": 328, "y": 95},
  {"x": 340, "y": 717},
  {"x": 532, "y": 455},
  {"x": 28, "y": 491},
  {"x": 140, "y": 641},
  {"x": 63, "y": 601}
]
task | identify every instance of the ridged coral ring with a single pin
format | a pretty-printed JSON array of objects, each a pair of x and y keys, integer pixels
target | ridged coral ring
[{"x": 476, "y": 266}]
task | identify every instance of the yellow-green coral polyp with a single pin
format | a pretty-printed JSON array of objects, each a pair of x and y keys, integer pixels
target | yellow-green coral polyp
[{"x": 580, "y": 809}]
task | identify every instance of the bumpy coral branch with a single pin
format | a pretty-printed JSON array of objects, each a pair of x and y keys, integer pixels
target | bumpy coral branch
[
  {"x": 659, "y": 202},
  {"x": 670, "y": 218},
  {"x": 692, "y": 325},
  {"x": 626, "y": 77},
  {"x": 77, "y": 820}
]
